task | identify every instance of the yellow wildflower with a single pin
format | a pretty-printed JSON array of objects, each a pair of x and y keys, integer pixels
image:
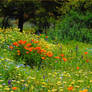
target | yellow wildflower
[
  {"x": 1, "y": 86},
  {"x": 54, "y": 90},
  {"x": 6, "y": 88},
  {"x": 59, "y": 83},
  {"x": 80, "y": 91},
  {"x": 80, "y": 81},
  {"x": 22, "y": 80},
  {"x": 90, "y": 80},
  {"x": 43, "y": 83}
]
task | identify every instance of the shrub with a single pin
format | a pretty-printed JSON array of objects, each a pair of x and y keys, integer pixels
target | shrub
[{"x": 73, "y": 26}]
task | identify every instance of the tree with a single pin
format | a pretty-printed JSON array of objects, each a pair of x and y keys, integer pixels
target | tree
[
  {"x": 39, "y": 12},
  {"x": 17, "y": 9}
]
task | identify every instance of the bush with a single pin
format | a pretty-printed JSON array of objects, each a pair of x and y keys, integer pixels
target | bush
[
  {"x": 33, "y": 54},
  {"x": 73, "y": 26}
]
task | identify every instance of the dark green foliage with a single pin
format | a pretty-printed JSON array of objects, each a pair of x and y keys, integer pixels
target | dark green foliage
[{"x": 73, "y": 26}]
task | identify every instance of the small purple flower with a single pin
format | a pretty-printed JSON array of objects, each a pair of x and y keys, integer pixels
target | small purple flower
[
  {"x": 43, "y": 76},
  {"x": 28, "y": 66},
  {"x": 46, "y": 39},
  {"x": 9, "y": 82},
  {"x": 1, "y": 57},
  {"x": 61, "y": 77},
  {"x": 3, "y": 84}
]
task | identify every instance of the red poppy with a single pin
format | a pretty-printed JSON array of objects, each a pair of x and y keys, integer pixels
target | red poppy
[
  {"x": 62, "y": 55},
  {"x": 86, "y": 53},
  {"x": 28, "y": 45},
  {"x": 37, "y": 48},
  {"x": 11, "y": 47},
  {"x": 64, "y": 59},
  {"x": 22, "y": 42},
  {"x": 39, "y": 52},
  {"x": 42, "y": 57},
  {"x": 18, "y": 51},
  {"x": 43, "y": 51},
  {"x": 15, "y": 44},
  {"x": 70, "y": 88},
  {"x": 57, "y": 57},
  {"x": 32, "y": 40},
  {"x": 36, "y": 41},
  {"x": 77, "y": 68},
  {"x": 14, "y": 88},
  {"x": 87, "y": 60},
  {"x": 49, "y": 54},
  {"x": 26, "y": 48},
  {"x": 27, "y": 52},
  {"x": 30, "y": 49},
  {"x": 46, "y": 36}
]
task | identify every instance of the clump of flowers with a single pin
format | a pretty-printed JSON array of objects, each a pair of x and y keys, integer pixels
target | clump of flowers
[
  {"x": 28, "y": 51},
  {"x": 33, "y": 54}
]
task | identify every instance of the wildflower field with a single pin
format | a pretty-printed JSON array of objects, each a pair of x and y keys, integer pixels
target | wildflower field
[{"x": 34, "y": 63}]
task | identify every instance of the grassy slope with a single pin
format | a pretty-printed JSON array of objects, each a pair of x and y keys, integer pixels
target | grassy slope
[{"x": 51, "y": 79}]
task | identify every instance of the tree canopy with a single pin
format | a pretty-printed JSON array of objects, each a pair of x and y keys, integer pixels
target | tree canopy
[{"x": 39, "y": 12}]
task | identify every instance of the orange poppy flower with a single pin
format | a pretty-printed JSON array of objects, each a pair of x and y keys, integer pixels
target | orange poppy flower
[
  {"x": 18, "y": 51},
  {"x": 37, "y": 48},
  {"x": 43, "y": 51},
  {"x": 38, "y": 52},
  {"x": 49, "y": 54},
  {"x": 26, "y": 48},
  {"x": 64, "y": 59},
  {"x": 86, "y": 53},
  {"x": 28, "y": 45},
  {"x": 27, "y": 52},
  {"x": 11, "y": 47},
  {"x": 15, "y": 44},
  {"x": 62, "y": 55},
  {"x": 77, "y": 68},
  {"x": 21, "y": 42},
  {"x": 32, "y": 40},
  {"x": 36, "y": 41},
  {"x": 42, "y": 57},
  {"x": 57, "y": 57},
  {"x": 30, "y": 49},
  {"x": 24, "y": 42},
  {"x": 14, "y": 88},
  {"x": 46, "y": 36},
  {"x": 70, "y": 88},
  {"x": 87, "y": 60}
]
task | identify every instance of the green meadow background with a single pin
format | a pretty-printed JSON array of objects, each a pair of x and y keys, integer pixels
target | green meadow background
[{"x": 46, "y": 46}]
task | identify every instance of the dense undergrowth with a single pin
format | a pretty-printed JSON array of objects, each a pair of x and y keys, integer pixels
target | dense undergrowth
[
  {"x": 73, "y": 26},
  {"x": 44, "y": 65}
]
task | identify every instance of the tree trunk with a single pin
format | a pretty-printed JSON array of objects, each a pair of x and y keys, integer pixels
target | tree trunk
[
  {"x": 5, "y": 23},
  {"x": 21, "y": 20}
]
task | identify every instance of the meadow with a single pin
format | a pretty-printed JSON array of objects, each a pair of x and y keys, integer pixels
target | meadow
[{"x": 35, "y": 63}]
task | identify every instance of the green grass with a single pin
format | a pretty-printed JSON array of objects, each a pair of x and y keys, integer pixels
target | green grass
[{"x": 54, "y": 75}]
